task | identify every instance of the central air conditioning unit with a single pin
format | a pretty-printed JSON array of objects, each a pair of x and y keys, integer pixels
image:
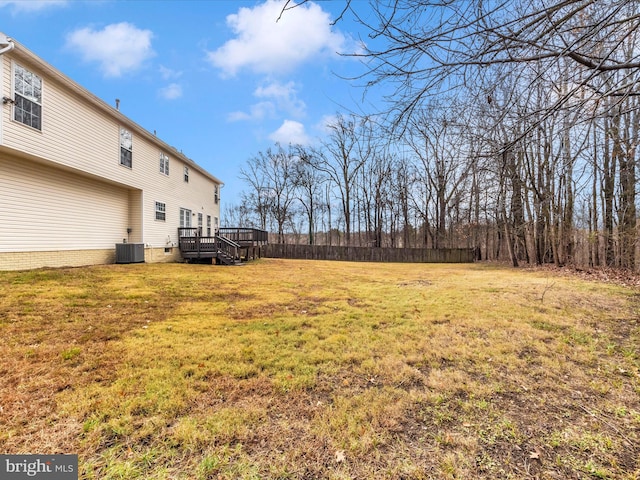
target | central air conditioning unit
[{"x": 129, "y": 252}]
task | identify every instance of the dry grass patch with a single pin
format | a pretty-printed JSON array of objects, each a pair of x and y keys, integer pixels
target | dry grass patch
[{"x": 294, "y": 369}]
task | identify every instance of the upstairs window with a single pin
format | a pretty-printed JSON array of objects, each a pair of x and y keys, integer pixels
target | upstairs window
[
  {"x": 186, "y": 174},
  {"x": 27, "y": 87},
  {"x": 164, "y": 163},
  {"x": 216, "y": 194},
  {"x": 126, "y": 148}
]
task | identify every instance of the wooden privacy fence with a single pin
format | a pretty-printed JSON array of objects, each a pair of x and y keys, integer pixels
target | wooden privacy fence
[{"x": 369, "y": 254}]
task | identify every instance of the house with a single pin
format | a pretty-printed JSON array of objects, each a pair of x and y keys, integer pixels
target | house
[{"x": 77, "y": 177}]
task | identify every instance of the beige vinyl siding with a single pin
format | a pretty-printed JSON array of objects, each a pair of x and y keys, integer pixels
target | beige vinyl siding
[
  {"x": 43, "y": 209},
  {"x": 76, "y": 133},
  {"x": 54, "y": 209},
  {"x": 135, "y": 217},
  {"x": 175, "y": 193},
  {"x": 73, "y": 133}
]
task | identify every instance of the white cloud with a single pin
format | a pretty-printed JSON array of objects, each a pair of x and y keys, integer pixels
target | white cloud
[
  {"x": 285, "y": 97},
  {"x": 168, "y": 73},
  {"x": 277, "y": 97},
  {"x": 276, "y": 90},
  {"x": 257, "y": 111},
  {"x": 32, "y": 5},
  {"x": 171, "y": 91},
  {"x": 118, "y": 48},
  {"x": 325, "y": 123},
  {"x": 264, "y": 44},
  {"x": 291, "y": 132}
]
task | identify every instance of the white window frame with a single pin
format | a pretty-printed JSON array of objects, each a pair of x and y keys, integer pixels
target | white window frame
[
  {"x": 126, "y": 146},
  {"x": 161, "y": 211},
  {"x": 216, "y": 194},
  {"x": 164, "y": 163},
  {"x": 208, "y": 225},
  {"x": 186, "y": 174},
  {"x": 27, "y": 93},
  {"x": 185, "y": 218}
]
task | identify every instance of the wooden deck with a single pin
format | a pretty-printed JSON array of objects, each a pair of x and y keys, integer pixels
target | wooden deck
[
  {"x": 245, "y": 237},
  {"x": 229, "y": 246}
]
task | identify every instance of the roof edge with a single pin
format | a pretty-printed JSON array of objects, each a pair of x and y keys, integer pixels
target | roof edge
[{"x": 20, "y": 51}]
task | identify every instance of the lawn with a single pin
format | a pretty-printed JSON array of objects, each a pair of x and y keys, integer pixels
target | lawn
[{"x": 297, "y": 369}]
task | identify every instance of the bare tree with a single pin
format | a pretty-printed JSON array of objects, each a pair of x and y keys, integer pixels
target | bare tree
[
  {"x": 430, "y": 46},
  {"x": 237, "y": 215},
  {"x": 342, "y": 161},
  {"x": 436, "y": 141},
  {"x": 270, "y": 175},
  {"x": 255, "y": 176},
  {"x": 512, "y": 110},
  {"x": 309, "y": 183},
  {"x": 401, "y": 185}
]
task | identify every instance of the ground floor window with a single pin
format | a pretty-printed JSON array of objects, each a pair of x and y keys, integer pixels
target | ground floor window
[
  {"x": 161, "y": 211},
  {"x": 185, "y": 218},
  {"x": 208, "y": 225}
]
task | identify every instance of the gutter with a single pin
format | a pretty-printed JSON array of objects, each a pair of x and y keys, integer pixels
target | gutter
[{"x": 6, "y": 44}]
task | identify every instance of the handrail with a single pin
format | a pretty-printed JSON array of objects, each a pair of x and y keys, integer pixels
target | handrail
[
  {"x": 227, "y": 241},
  {"x": 228, "y": 246}
]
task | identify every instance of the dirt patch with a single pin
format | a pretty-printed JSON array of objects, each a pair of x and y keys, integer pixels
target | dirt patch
[{"x": 415, "y": 283}]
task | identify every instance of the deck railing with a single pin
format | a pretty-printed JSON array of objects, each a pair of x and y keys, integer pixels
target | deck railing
[
  {"x": 245, "y": 236},
  {"x": 191, "y": 242},
  {"x": 226, "y": 245}
]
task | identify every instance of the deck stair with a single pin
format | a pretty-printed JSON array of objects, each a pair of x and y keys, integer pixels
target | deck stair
[
  {"x": 226, "y": 247},
  {"x": 228, "y": 251}
]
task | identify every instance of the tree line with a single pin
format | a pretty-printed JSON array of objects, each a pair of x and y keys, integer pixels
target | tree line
[{"x": 512, "y": 128}]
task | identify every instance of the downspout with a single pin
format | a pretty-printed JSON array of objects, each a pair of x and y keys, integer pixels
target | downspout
[{"x": 6, "y": 44}]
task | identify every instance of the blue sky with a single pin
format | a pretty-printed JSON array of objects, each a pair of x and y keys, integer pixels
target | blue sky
[{"x": 219, "y": 80}]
